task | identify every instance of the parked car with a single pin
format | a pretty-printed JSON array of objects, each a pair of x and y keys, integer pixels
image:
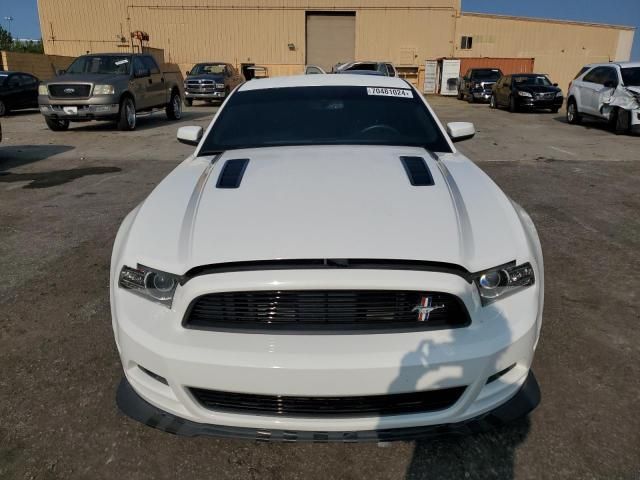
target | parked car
[
  {"x": 532, "y": 91},
  {"x": 211, "y": 81},
  {"x": 325, "y": 266},
  {"x": 110, "y": 86},
  {"x": 313, "y": 70},
  {"x": 477, "y": 84},
  {"x": 608, "y": 91},
  {"x": 367, "y": 68},
  {"x": 18, "y": 90}
]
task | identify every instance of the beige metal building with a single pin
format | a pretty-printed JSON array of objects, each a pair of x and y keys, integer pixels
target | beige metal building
[{"x": 284, "y": 35}]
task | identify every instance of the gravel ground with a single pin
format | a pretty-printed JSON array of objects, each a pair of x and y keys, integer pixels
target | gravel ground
[{"x": 63, "y": 195}]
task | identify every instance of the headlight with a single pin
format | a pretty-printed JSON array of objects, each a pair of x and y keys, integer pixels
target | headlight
[
  {"x": 147, "y": 282},
  {"x": 503, "y": 281},
  {"x": 104, "y": 90},
  {"x": 220, "y": 85},
  {"x": 43, "y": 90},
  {"x": 524, "y": 94},
  {"x": 559, "y": 94}
]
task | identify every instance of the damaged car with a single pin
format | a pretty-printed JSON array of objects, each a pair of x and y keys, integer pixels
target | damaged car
[
  {"x": 610, "y": 92},
  {"x": 334, "y": 270}
]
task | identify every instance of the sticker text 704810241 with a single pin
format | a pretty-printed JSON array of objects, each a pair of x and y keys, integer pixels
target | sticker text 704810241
[{"x": 390, "y": 92}]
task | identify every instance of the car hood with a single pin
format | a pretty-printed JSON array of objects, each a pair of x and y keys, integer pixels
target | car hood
[
  {"x": 216, "y": 78},
  {"x": 539, "y": 89},
  {"x": 89, "y": 78},
  {"x": 325, "y": 202}
]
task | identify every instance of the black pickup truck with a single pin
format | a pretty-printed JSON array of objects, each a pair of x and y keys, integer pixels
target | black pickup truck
[
  {"x": 110, "y": 86},
  {"x": 477, "y": 84}
]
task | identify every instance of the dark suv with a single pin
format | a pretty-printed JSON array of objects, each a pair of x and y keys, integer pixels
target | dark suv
[{"x": 477, "y": 83}]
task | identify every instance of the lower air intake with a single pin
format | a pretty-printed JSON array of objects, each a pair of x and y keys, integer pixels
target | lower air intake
[{"x": 286, "y": 406}]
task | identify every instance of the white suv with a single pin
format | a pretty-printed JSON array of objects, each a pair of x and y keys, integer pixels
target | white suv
[{"x": 608, "y": 91}]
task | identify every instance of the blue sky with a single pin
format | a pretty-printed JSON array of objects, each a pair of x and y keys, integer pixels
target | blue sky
[{"x": 623, "y": 12}]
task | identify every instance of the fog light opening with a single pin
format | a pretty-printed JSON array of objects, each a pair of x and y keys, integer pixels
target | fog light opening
[
  {"x": 496, "y": 376},
  {"x": 155, "y": 376}
]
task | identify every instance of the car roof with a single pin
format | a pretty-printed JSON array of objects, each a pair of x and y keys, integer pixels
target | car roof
[
  {"x": 610, "y": 64},
  {"x": 112, "y": 54},
  {"x": 342, "y": 80}
]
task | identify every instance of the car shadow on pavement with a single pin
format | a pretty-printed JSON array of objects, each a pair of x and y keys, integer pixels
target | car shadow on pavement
[
  {"x": 479, "y": 456},
  {"x": 13, "y": 156},
  {"x": 444, "y": 359}
]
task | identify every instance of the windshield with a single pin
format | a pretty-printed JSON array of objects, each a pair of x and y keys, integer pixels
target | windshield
[
  {"x": 486, "y": 74},
  {"x": 537, "y": 80},
  {"x": 101, "y": 64},
  {"x": 208, "y": 68},
  {"x": 631, "y": 76},
  {"x": 324, "y": 116}
]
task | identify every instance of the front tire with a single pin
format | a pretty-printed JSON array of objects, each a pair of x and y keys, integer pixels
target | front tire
[
  {"x": 174, "y": 109},
  {"x": 460, "y": 95},
  {"x": 57, "y": 125},
  {"x": 623, "y": 122},
  {"x": 492, "y": 102},
  {"x": 513, "y": 108},
  {"x": 573, "y": 117},
  {"x": 127, "y": 115},
  {"x": 4, "y": 110}
]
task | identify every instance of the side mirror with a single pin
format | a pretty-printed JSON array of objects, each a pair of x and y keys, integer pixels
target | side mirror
[
  {"x": 459, "y": 131},
  {"x": 555, "y": 84},
  {"x": 190, "y": 135},
  {"x": 61, "y": 72},
  {"x": 188, "y": 72},
  {"x": 142, "y": 72}
]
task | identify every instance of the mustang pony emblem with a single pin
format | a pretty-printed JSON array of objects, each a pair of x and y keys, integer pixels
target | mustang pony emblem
[{"x": 425, "y": 308}]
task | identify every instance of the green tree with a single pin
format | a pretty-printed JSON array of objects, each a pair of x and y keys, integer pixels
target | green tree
[
  {"x": 28, "y": 46},
  {"x": 6, "y": 40}
]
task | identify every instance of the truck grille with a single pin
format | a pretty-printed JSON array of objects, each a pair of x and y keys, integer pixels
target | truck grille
[
  {"x": 278, "y": 405},
  {"x": 70, "y": 91},
  {"x": 326, "y": 310}
]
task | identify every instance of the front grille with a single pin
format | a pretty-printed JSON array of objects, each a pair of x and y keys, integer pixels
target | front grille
[
  {"x": 326, "y": 310},
  {"x": 289, "y": 406},
  {"x": 70, "y": 90}
]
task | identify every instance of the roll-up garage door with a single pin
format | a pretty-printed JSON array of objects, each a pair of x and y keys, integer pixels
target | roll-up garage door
[{"x": 331, "y": 38}]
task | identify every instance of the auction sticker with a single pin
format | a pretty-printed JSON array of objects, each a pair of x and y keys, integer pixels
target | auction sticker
[{"x": 389, "y": 92}]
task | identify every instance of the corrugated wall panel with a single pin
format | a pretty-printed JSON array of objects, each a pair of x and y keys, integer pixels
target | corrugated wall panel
[{"x": 559, "y": 49}]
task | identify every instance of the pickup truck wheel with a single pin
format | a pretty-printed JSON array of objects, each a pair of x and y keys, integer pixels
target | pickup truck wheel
[
  {"x": 460, "y": 95},
  {"x": 57, "y": 125},
  {"x": 573, "y": 117},
  {"x": 174, "y": 109},
  {"x": 3, "y": 109},
  {"x": 623, "y": 122},
  {"x": 492, "y": 102},
  {"x": 127, "y": 115},
  {"x": 188, "y": 101},
  {"x": 512, "y": 105}
]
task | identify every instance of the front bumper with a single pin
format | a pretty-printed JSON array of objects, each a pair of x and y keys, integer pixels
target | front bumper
[
  {"x": 535, "y": 103},
  {"x": 217, "y": 95},
  {"x": 134, "y": 406},
  {"x": 80, "y": 112},
  {"x": 501, "y": 335},
  {"x": 481, "y": 95}
]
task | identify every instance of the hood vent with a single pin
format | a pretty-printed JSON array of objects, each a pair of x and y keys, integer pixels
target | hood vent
[
  {"x": 232, "y": 173},
  {"x": 417, "y": 171}
]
